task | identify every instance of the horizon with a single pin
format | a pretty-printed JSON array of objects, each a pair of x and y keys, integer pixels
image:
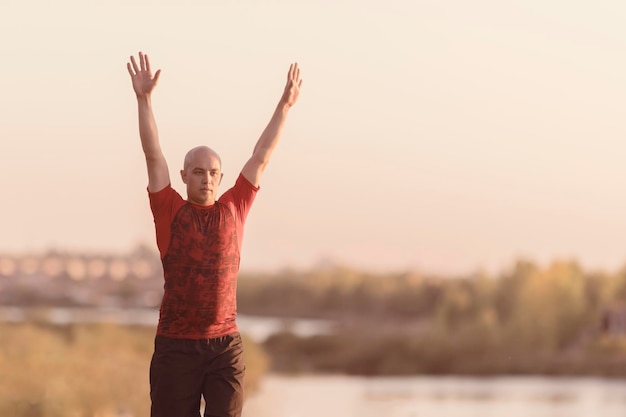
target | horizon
[{"x": 321, "y": 264}]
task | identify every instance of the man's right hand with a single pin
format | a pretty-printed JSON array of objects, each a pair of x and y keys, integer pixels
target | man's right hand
[
  {"x": 143, "y": 81},
  {"x": 143, "y": 84}
]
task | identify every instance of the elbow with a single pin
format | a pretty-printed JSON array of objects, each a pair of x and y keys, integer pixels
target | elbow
[
  {"x": 261, "y": 157},
  {"x": 151, "y": 157},
  {"x": 154, "y": 158}
]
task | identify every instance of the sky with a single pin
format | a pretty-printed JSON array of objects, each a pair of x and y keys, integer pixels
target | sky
[{"x": 442, "y": 136}]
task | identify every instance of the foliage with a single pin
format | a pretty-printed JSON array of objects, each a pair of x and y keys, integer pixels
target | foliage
[
  {"x": 83, "y": 370},
  {"x": 526, "y": 320}
]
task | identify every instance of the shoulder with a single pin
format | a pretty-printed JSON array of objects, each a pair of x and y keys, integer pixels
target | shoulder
[
  {"x": 242, "y": 189},
  {"x": 244, "y": 183},
  {"x": 166, "y": 197}
]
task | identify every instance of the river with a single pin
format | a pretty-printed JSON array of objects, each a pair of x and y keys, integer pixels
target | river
[
  {"x": 342, "y": 396},
  {"x": 255, "y": 327}
]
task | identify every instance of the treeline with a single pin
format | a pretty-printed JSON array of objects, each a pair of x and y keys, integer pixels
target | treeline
[{"x": 532, "y": 320}]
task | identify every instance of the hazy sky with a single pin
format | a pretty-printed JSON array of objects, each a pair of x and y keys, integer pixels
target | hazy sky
[{"x": 438, "y": 135}]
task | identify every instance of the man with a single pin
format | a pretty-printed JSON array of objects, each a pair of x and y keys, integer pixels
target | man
[{"x": 198, "y": 349}]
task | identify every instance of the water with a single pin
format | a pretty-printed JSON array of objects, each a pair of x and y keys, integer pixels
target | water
[
  {"x": 257, "y": 328},
  {"x": 340, "y": 396}
]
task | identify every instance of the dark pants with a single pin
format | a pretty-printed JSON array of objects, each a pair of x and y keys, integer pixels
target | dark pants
[{"x": 183, "y": 370}]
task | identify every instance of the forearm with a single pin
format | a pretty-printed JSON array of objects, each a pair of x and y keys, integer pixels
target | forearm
[
  {"x": 253, "y": 169},
  {"x": 158, "y": 173},
  {"x": 148, "y": 131},
  {"x": 271, "y": 134}
]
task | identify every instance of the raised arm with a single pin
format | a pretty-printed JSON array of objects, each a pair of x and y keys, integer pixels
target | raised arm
[
  {"x": 253, "y": 169},
  {"x": 143, "y": 85}
]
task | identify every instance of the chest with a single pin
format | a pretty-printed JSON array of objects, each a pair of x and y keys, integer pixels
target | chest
[{"x": 201, "y": 234}]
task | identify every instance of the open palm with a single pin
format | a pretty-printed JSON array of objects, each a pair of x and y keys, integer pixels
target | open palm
[
  {"x": 141, "y": 75},
  {"x": 294, "y": 82}
]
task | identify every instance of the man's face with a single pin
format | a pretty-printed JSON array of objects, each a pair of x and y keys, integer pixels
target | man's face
[{"x": 202, "y": 175}]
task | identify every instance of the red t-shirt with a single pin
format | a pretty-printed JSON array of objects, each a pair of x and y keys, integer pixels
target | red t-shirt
[{"x": 200, "y": 249}]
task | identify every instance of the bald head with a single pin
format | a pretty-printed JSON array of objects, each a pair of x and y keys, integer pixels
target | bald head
[
  {"x": 202, "y": 174},
  {"x": 199, "y": 153}
]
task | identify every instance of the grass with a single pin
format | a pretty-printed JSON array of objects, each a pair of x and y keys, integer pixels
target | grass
[{"x": 84, "y": 370}]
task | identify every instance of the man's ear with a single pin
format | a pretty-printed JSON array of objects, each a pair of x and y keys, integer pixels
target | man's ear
[
  {"x": 183, "y": 175},
  {"x": 221, "y": 176}
]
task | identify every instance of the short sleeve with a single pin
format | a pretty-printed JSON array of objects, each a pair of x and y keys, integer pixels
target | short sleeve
[
  {"x": 164, "y": 205},
  {"x": 240, "y": 198}
]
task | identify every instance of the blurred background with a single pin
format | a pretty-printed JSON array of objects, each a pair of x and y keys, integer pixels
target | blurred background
[{"x": 440, "y": 231}]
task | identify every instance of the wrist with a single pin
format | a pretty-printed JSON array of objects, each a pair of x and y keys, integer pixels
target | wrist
[
  {"x": 145, "y": 98},
  {"x": 283, "y": 106}
]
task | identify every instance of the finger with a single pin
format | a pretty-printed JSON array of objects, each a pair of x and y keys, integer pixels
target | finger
[
  {"x": 147, "y": 63},
  {"x": 142, "y": 61},
  {"x": 156, "y": 77},
  {"x": 297, "y": 73},
  {"x": 130, "y": 69},
  {"x": 132, "y": 60},
  {"x": 290, "y": 73},
  {"x": 299, "y": 84}
]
